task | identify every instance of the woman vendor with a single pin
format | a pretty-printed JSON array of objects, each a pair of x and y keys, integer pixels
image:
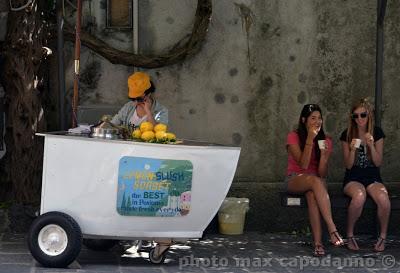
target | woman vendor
[{"x": 142, "y": 105}]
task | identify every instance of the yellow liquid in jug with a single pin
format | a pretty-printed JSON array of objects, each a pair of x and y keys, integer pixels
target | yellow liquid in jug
[{"x": 231, "y": 228}]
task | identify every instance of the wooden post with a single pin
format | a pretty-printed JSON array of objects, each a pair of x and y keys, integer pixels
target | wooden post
[{"x": 77, "y": 63}]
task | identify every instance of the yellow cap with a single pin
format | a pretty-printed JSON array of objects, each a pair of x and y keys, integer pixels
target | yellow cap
[{"x": 138, "y": 83}]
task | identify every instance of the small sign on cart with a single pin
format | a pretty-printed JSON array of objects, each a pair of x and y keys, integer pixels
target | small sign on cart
[{"x": 154, "y": 187}]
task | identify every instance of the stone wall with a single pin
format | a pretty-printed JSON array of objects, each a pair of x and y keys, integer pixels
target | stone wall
[{"x": 262, "y": 60}]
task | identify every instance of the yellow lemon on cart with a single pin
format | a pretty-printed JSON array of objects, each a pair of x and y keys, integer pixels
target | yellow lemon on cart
[
  {"x": 171, "y": 136},
  {"x": 136, "y": 134},
  {"x": 160, "y": 127},
  {"x": 147, "y": 135},
  {"x": 146, "y": 126},
  {"x": 161, "y": 135}
]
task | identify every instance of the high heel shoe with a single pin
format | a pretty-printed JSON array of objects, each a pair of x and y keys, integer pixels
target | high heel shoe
[{"x": 339, "y": 240}]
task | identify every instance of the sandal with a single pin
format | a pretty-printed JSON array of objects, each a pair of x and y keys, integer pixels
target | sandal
[
  {"x": 352, "y": 241},
  {"x": 339, "y": 240},
  {"x": 380, "y": 244},
  {"x": 319, "y": 250}
]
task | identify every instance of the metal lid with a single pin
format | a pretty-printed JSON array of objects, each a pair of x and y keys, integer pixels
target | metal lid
[{"x": 105, "y": 129}]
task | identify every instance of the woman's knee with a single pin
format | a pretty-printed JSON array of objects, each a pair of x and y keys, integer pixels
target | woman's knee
[
  {"x": 358, "y": 199},
  {"x": 316, "y": 182}
]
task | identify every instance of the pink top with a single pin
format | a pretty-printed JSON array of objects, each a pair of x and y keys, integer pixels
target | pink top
[{"x": 293, "y": 167}]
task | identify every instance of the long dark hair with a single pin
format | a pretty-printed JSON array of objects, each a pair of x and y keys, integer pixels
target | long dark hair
[{"x": 302, "y": 129}]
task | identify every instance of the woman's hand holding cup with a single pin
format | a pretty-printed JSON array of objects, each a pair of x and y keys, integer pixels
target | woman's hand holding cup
[
  {"x": 355, "y": 144},
  {"x": 323, "y": 145}
]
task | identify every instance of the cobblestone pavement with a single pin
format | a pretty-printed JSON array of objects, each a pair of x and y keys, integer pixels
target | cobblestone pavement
[{"x": 251, "y": 252}]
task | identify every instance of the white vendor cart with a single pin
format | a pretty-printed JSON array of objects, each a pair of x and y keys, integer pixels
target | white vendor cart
[{"x": 124, "y": 190}]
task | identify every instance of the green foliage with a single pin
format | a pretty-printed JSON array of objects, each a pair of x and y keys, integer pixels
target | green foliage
[
  {"x": 5, "y": 205},
  {"x": 302, "y": 232}
]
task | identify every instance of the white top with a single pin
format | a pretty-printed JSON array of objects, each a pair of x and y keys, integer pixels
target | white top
[{"x": 136, "y": 120}]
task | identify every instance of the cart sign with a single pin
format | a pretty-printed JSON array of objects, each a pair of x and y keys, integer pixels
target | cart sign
[{"x": 154, "y": 187}]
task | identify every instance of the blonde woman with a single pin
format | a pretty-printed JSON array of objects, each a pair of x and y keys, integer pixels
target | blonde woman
[{"x": 362, "y": 175}]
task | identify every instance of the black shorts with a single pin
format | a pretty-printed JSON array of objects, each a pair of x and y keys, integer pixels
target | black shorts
[{"x": 365, "y": 176}]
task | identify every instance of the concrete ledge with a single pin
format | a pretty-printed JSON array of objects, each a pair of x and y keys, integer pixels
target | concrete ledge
[
  {"x": 4, "y": 223},
  {"x": 267, "y": 215}
]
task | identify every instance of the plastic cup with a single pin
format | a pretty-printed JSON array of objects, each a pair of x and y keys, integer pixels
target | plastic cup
[
  {"x": 357, "y": 142},
  {"x": 322, "y": 144}
]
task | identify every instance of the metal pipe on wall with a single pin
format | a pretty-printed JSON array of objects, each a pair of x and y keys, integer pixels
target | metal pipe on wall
[
  {"x": 381, "y": 10},
  {"x": 135, "y": 26},
  {"x": 60, "y": 60}
]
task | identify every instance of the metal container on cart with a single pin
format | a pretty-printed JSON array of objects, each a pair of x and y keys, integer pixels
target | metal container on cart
[{"x": 123, "y": 190}]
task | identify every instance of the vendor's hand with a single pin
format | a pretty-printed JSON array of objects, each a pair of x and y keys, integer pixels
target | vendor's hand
[
  {"x": 369, "y": 139},
  {"x": 147, "y": 105}
]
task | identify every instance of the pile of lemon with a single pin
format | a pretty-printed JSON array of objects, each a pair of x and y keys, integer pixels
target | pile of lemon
[{"x": 149, "y": 133}]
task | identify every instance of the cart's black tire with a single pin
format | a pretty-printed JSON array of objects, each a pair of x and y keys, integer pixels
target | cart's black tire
[
  {"x": 158, "y": 260},
  {"x": 69, "y": 234},
  {"x": 99, "y": 244}
]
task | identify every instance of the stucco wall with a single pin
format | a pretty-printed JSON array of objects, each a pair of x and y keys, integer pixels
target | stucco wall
[{"x": 262, "y": 60}]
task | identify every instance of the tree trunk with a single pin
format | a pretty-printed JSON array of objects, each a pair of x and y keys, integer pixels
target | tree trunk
[{"x": 24, "y": 54}]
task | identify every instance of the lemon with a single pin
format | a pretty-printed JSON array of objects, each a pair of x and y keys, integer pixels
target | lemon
[
  {"x": 146, "y": 126},
  {"x": 171, "y": 136},
  {"x": 136, "y": 134},
  {"x": 161, "y": 135},
  {"x": 147, "y": 135},
  {"x": 160, "y": 127}
]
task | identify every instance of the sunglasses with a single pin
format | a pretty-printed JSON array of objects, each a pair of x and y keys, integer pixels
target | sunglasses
[
  {"x": 312, "y": 107},
  {"x": 361, "y": 115},
  {"x": 139, "y": 99}
]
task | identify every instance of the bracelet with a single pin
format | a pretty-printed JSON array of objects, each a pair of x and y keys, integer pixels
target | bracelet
[{"x": 309, "y": 144}]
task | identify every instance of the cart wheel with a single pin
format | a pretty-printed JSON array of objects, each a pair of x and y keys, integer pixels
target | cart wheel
[
  {"x": 99, "y": 244},
  {"x": 157, "y": 260},
  {"x": 55, "y": 239}
]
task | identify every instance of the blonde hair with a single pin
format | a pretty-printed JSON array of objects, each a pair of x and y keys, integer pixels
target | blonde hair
[{"x": 352, "y": 131}]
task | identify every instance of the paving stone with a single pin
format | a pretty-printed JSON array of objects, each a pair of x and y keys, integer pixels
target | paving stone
[
  {"x": 15, "y": 268},
  {"x": 252, "y": 252},
  {"x": 15, "y": 258},
  {"x": 14, "y": 247},
  {"x": 140, "y": 270}
]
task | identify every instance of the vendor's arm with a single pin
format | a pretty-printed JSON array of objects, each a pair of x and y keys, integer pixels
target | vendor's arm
[
  {"x": 147, "y": 109},
  {"x": 156, "y": 113},
  {"x": 123, "y": 114},
  {"x": 117, "y": 119}
]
